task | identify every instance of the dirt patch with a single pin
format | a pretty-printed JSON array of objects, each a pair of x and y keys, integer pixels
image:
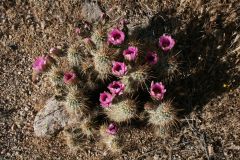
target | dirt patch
[{"x": 207, "y": 91}]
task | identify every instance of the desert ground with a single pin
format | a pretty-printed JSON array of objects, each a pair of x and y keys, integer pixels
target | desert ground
[{"x": 207, "y": 93}]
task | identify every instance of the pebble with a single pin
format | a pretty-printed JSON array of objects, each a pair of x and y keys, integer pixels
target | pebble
[{"x": 51, "y": 119}]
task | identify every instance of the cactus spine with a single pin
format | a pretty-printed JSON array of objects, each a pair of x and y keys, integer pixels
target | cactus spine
[
  {"x": 122, "y": 111},
  {"x": 162, "y": 116},
  {"x": 136, "y": 79},
  {"x": 76, "y": 102},
  {"x": 111, "y": 142},
  {"x": 74, "y": 56}
]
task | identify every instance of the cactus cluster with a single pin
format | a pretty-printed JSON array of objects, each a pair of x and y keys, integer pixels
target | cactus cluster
[{"x": 113, "y": 68}]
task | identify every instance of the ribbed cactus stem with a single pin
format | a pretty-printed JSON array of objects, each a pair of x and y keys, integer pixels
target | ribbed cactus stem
[
  {"x": 161, "y": 131},
  {"x": 76, "y": 102},
  {"x": 102, "y": 65},
  {"x": 135, "y": 80},
  {"x": 74, "y": 136},
  {"x": 169, "y": 67},
  {"x": 87, "y": 66},
  {"x": 98, "y": 37},
  {"x": 56, "y": 76},
  {"x": 89, "y": 44},
  {"x": 70, "y": 139},
  {"x": 56, "y": 79},
  {"x": 86, "y": 126},
  {"x": 111, "y": 142},
  {"x": 122, "y": 111},
  {"x": 162, "y": 117},
  {"x": 74, "y": 56}
]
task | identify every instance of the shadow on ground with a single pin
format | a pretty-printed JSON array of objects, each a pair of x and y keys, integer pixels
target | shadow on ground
[{"x": 203, "y": 47}]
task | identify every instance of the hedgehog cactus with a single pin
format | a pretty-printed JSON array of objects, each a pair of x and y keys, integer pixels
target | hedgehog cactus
[
  {"x": 102, "y": 65},
  {"x": 136, "y": 79},
  {"x": 110, "y": 54},
  {"x": 98, "y": 37},
  {"x": 122, "y": 111},
  {"x": 110, "y": 138},
  {"x": 89, "y": 44},
  {"x": 101, "y": 55},
  {"x": 117, "y": 107},
  {"x": 56, "y": 79},
  {"x": 74, "y": 56},
  {"x": 87, "y": 65},
  {"x": 87, "y": 126},
  {"x": 162, "y": 116},
  {"x": 74, "y": 136},
  {"x": 70, "y": 138},
  {"x": 76, "y": 103},
  {"x": 168, "y": 67},
  {"x": 56, "y": 76}
]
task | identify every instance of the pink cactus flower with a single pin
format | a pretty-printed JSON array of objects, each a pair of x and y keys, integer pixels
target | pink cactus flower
[
  {"x": 116, "y": 37},
  {"x": 40, "y": 64},
  {"x": 166, "y": 42},
  {"x": 152, "y": 57},
  {"x": 116, "y": 87},
  {"x": 119, "y": 68},
  {"x": 157, "y": 90},
  {"x": 69, "y": 77},
  {"x": 130, "y": 53},
  {"x": 112, "y": 129},
  {"x": 106, "y": 99}
]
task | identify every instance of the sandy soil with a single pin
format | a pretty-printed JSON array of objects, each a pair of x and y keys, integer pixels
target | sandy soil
[{"x": 209, "y": 127}]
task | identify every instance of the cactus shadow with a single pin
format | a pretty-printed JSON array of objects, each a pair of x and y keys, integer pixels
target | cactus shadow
[{"x": 203, "y": 49}]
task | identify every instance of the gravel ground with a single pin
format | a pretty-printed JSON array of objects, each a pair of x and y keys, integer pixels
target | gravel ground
[{"x": 30, "y": 27}]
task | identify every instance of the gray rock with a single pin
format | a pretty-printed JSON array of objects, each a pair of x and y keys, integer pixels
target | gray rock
[
  {"x": 91, "y": 11},
  {"x": 51, "y": 119}
]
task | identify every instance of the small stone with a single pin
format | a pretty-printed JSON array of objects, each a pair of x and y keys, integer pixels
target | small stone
[
  {"x": 3, "y": 151},
  {"x": 14, "y": 126},
  {"x": 26, "y": 109},
  {"x": 22, "y": 113},
  {"x": 91, "y": 11},
  {"x": 156, "y": 157},
  {"x": 43, "y": 24},
  {"x": 51, "y": 119}
]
